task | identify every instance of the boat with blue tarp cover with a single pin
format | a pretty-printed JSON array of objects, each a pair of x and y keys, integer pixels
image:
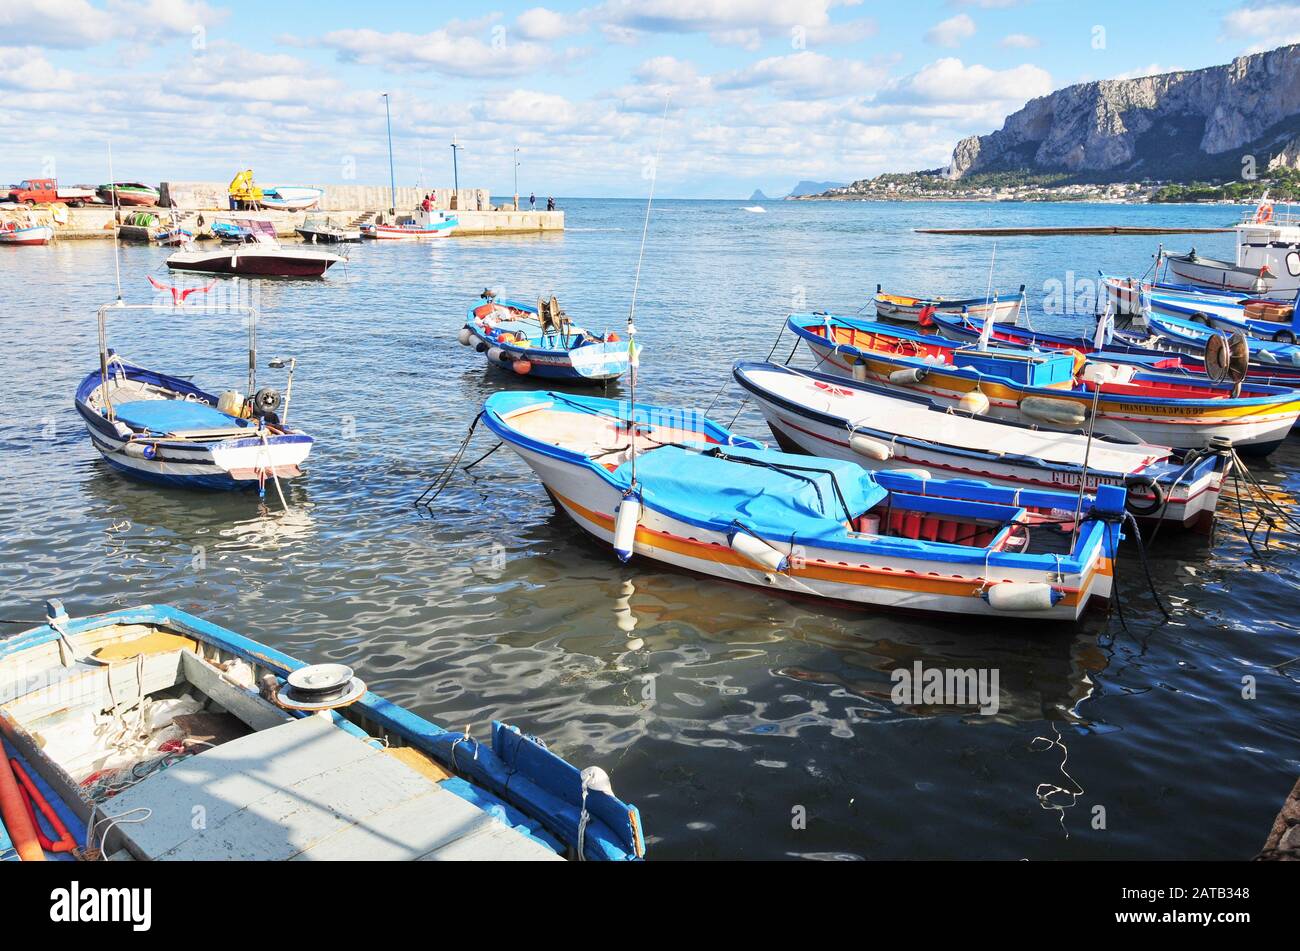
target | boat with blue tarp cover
[
  {"x": 541, "y": 341},
  {"x": 164, "y": 429},
  {"x": 170, "y": 713},
  {"x": 1055, "y": 389},
  {"x": 668, "y": 485},
  {"x": 885, "y": 429}
]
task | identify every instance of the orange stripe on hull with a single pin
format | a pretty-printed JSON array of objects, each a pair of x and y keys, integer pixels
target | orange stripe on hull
[{"x": 819, "y": 570}]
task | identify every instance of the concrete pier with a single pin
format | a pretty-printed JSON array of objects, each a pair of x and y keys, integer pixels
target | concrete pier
[{"x": 195, "y": 205}]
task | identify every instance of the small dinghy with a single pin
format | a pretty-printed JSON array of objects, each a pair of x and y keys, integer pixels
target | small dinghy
[
  {"x": 321, "y": 229},
  {"x": 884, "y": 429},
  {"x": 25, "y": 232},
  {"x": 164, "y": 429},
  {"x": 1057, "y": 390},
  {"x": 291, "y": 197},
  {"x": 667, "y": 485},
  {"x": 913, "y": 309},
  {"x": 256, "y": 254},
  {"x": 541, "y": 341},
  {"x": 120, "y": 729}
]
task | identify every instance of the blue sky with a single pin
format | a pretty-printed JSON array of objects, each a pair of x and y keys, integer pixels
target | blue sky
[{"x": 763, "y": 92}]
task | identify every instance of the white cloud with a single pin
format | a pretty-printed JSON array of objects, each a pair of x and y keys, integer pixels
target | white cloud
[
  {"x": 951, "y": 32},
  {"x": 77, "y": 24},
  {"x": 1020, "y": 41},
  {"x": 728, "y": 22},
  {"x": 1268, "y": 25},
  {"x": 951, "y": 81},
  {"x": 25, "y": 69},
  {"x": 806, "y": 75},
  {"x": 539, "y": 23},
  {"x": 440, "y": 50}
]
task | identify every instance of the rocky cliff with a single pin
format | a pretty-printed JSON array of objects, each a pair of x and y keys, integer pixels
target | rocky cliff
[{"x": 1172, "y": 126}]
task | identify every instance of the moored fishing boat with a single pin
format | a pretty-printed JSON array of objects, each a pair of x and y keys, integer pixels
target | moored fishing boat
[
  {"x": 1267, "y": 319},
  {"x": 541, "y": 341},
  {"x": 669, "y": 486},
  {"x": 912, "y": 309},
  {"x": 121, "y": 726},
  {"x": 884, "y": 429},
  {"x": 129, "y": 193},
  {"x": 1056, "y": 389},
  {"x": 417, "y": 226},
  {"x": 1125, "y": 294},
  {"x": 291, "y": 197},
  {"x": 1267, "y": 259},
  {"x": 1169, "y": 346},
  {"x": 259, "y": 254},
  {"x": 164, "y": 429}
]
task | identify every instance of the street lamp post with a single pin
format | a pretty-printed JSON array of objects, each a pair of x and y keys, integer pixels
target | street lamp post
[
  {"x": 455, "y": 174},
  {"x": 392, "y": 175},
  {"x": 516, "y": 178}
]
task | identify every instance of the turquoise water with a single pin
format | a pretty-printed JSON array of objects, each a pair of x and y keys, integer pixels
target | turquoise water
[{"x": 725, "y": 712}]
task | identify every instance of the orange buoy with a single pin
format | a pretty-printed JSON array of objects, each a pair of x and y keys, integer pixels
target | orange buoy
[
  {"x": 523, "y": 367},
  {"x": 611, "y": 338},
  {"x": 34, "y": 800},
  {"x": 17, "y": 820}
]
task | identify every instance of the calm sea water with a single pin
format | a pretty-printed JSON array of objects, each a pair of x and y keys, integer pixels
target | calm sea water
[{"x": 725, "y": 711}]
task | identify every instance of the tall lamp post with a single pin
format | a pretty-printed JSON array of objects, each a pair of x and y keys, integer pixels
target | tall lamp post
[
  {"x": 392, "y": 175},
  {"x": 455, "y": 174},
  {"x": 516, "y": 178}
]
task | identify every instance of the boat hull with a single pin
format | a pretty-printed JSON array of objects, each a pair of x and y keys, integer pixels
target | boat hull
[
  {"x": 33, "y": 236},
  {"x": 595, "y": 362},
  {"x": 909, "y": 309},
  {"x": 286, "y": 262},
  {"x": 391, "y": 233},
  {"x": 1219, "y": 275}
]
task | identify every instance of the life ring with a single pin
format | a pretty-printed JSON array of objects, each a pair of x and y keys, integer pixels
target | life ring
[
  {"x": 1148, "y": 483},
  {"x": 1263, "y": 214}
]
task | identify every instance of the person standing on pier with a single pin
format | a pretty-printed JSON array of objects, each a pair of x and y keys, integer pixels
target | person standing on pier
[
  {"x": 550, "y": 204},
  {"x": 532, "y": 202}
]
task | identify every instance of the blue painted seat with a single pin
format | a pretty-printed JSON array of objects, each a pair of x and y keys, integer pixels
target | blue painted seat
[{"x": 169, "y": 416}]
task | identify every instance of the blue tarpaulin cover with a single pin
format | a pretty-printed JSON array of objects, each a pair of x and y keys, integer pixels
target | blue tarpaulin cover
[
  {"x": 793, "y": 501},
  {"x": 169, "y": 416}
]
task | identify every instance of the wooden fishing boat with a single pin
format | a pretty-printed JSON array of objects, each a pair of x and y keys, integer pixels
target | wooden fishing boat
[
  {"x": 884, "y": 429},
  {"x": 418, "y": 226},
  {"x": 291, "y": 197},
  {"x": 541, "y": 341},
  {"x": 164, "y": 429},
  {"x": 12, "y": 232},
  {"x": 1193, "y": 268},
  {"x": 911, "y": 309},
  {"x": 320, "y": 229},
  {"x": 129, "y": 193},
  {"x": 1266, "y": 319},
  {"x": 258, "y": 255},
  {"x": 1267, "y": 256},
  {"x": 1055, "y": 389},
  {"x": 1125, "y": 294},
  {"x": 120, "y": 729},
  {"x": 1169, "y": 346},
  {"x": 667, "y": 485}
]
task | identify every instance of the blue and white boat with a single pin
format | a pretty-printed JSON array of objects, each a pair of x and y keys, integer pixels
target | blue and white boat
[
  {"x": 540, "y": 341},
  {"x": 164, "y": 429},
  {"x": 669, "y": 486},
  {"x": 124, "y": 727},
  {"x": 1266, "y": 319},
  {"x": 292, "y": 197}
]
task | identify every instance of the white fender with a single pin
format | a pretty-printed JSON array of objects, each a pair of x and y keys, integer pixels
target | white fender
[
  {"x": 871, "y": 448},
  {"x": 494, "y": 354},
  {"x": 758, "y": 551},
  {"x": 625, "y": 521},
  {"x": 860, "y": 371},
  {"x": 1295, "y": 358},
  {"x": 914, "y": 473},
  {"x": 974, "y": 402},
  {"x": 464, "y": 336},
  {"x": 1266, "y": 356},
  {"x": 910, "y": 375},
  {"x": 1053, "y": 411},
  {"x": 1022, "y": 596}
]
